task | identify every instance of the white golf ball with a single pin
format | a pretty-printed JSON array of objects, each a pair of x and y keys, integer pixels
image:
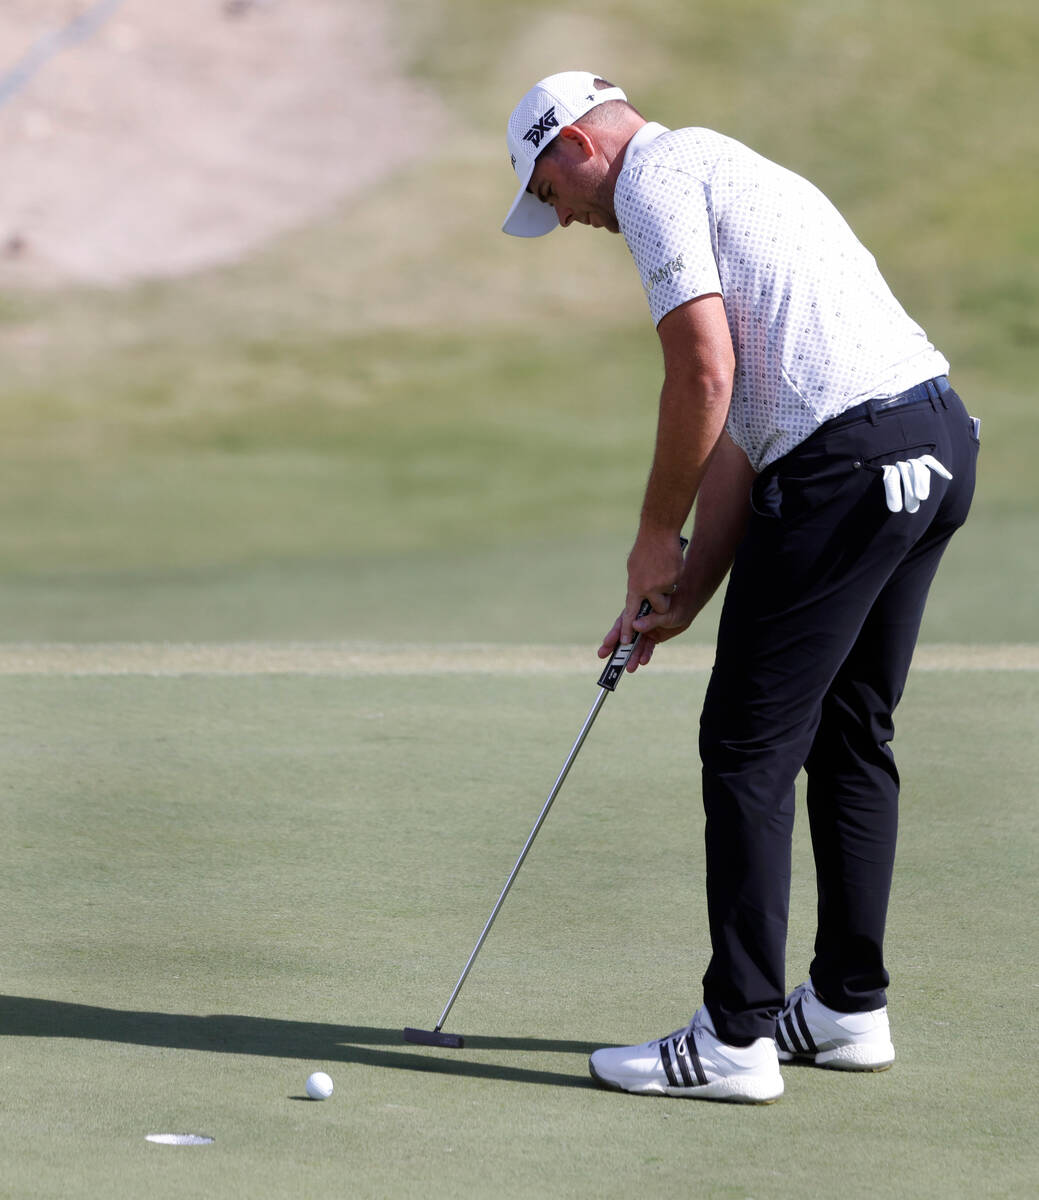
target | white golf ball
[{"x": 319, "y": 1086}]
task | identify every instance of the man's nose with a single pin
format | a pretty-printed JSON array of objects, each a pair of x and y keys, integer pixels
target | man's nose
[{"x": 565, "y": 215}]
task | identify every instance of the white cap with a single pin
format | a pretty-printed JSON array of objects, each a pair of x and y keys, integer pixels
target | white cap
[{"x": 549, "y": 105}]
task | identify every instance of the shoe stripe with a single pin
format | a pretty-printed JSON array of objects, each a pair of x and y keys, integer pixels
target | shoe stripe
[
  {"x": 683, "y": 1062},
  {"x": 681, "y": 1052},
  {"x": 689, "y": 1060},
  {"x": 669, "y": 1070},
  {"x": 794, "y": 1042},
  {"x": 694, "y": 1059},
  {"x": 799, "y": 1012},
  {"x": 781, "y": 1041}
]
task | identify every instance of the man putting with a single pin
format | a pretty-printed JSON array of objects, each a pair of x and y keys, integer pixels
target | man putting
[{"x": 812, "y": 422}]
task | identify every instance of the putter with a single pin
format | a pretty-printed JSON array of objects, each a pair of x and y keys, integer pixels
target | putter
[{"x": 608, "y": 681}]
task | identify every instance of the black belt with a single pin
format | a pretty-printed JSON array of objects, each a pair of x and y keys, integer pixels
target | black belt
[{"x": 931, "y": 389}]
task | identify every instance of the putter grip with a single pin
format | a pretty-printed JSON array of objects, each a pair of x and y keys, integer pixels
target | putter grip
[
  {"x": 611, "y": 676},
  {"x": 614, "y": 669}
]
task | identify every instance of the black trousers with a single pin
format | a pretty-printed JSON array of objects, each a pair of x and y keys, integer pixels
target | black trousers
[{"x": 820, "y": 619}]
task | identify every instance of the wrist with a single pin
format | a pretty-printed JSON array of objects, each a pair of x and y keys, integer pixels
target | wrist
[{"x": 653, "y": 530}]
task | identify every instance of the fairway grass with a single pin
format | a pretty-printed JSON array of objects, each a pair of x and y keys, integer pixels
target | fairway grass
[{"x": 216, "y": 883}]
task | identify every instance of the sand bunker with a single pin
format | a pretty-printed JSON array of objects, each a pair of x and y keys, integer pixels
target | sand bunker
[{"x": 143, "y": 139}]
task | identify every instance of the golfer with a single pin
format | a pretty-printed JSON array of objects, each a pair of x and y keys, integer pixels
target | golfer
[{"x": 830, "y": 461}]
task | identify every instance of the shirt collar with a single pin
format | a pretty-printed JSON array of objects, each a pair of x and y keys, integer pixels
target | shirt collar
[{"x": 646, "y": 134}]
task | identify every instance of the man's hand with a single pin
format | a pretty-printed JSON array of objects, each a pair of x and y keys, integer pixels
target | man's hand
[
  {"x": 654, "y": 574},
  {"x": 654, "y": 627}
]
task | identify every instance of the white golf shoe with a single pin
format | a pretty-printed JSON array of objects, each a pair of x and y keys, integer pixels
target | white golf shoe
[
  {"x": 807, "y": 1029},
  {"x": 692, "y": 1062}
]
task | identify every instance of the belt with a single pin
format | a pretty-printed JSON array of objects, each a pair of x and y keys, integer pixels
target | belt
[{"x": 931, "y": 390}]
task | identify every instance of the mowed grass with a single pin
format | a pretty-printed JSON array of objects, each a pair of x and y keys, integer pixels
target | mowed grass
[{"x": 213, "y": 886}]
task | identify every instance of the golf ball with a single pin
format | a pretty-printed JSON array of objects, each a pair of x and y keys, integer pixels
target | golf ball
[{"x": 319, "y": 1086}]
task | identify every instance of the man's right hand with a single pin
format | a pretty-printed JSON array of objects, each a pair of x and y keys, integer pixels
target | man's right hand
[{"x": 654, "y": 627}]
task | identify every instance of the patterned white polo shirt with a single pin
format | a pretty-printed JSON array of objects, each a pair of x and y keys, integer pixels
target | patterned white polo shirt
[{"x": 815, "y": 328}]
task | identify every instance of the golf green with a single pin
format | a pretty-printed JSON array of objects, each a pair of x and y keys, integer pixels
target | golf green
[{"x": 219, "y": 876}]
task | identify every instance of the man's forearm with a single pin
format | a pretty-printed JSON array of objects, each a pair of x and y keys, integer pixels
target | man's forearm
[
  {"x": 720, "y": 521},
  {"x": 692, "y": 419},
  {"x": 722, "y": 510},
  {"x": 694, "y": 403}
]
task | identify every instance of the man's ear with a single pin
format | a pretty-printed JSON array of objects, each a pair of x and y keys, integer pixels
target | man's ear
[{"x": 579, "y": 140}]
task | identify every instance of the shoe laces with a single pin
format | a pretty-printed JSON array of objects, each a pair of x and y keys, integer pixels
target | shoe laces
[
  {"x": 803, "y": 990},
  {"x": 679, "y": 1034},
  {"x": 686, "y": 1033}
]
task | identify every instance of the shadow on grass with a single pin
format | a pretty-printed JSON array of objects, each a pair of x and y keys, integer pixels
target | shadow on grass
[{"x": 22, "y": 1016}]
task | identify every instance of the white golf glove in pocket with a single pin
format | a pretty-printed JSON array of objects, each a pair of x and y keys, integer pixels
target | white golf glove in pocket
[{"x": 907, "y": 483}]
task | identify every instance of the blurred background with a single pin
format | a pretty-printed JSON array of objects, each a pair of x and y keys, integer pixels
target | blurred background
[{"x": 272, "y": 372}]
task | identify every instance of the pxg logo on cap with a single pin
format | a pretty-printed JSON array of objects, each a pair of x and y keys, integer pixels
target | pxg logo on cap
[{"x": 540, "y": 128}]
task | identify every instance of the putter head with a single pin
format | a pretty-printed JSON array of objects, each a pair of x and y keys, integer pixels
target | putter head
[{"x": 433, "y": 1037}]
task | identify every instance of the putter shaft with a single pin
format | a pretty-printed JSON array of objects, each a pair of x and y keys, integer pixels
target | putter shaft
[
  {"x": 589, "y": 721},
  {"x": 612, "y": 674}
]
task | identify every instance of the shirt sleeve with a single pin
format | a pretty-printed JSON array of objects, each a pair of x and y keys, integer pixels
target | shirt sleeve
[{"x": 664, "y": 215}]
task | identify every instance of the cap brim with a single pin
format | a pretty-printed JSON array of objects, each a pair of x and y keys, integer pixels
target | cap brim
[{"x": 529, "y": 216}]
